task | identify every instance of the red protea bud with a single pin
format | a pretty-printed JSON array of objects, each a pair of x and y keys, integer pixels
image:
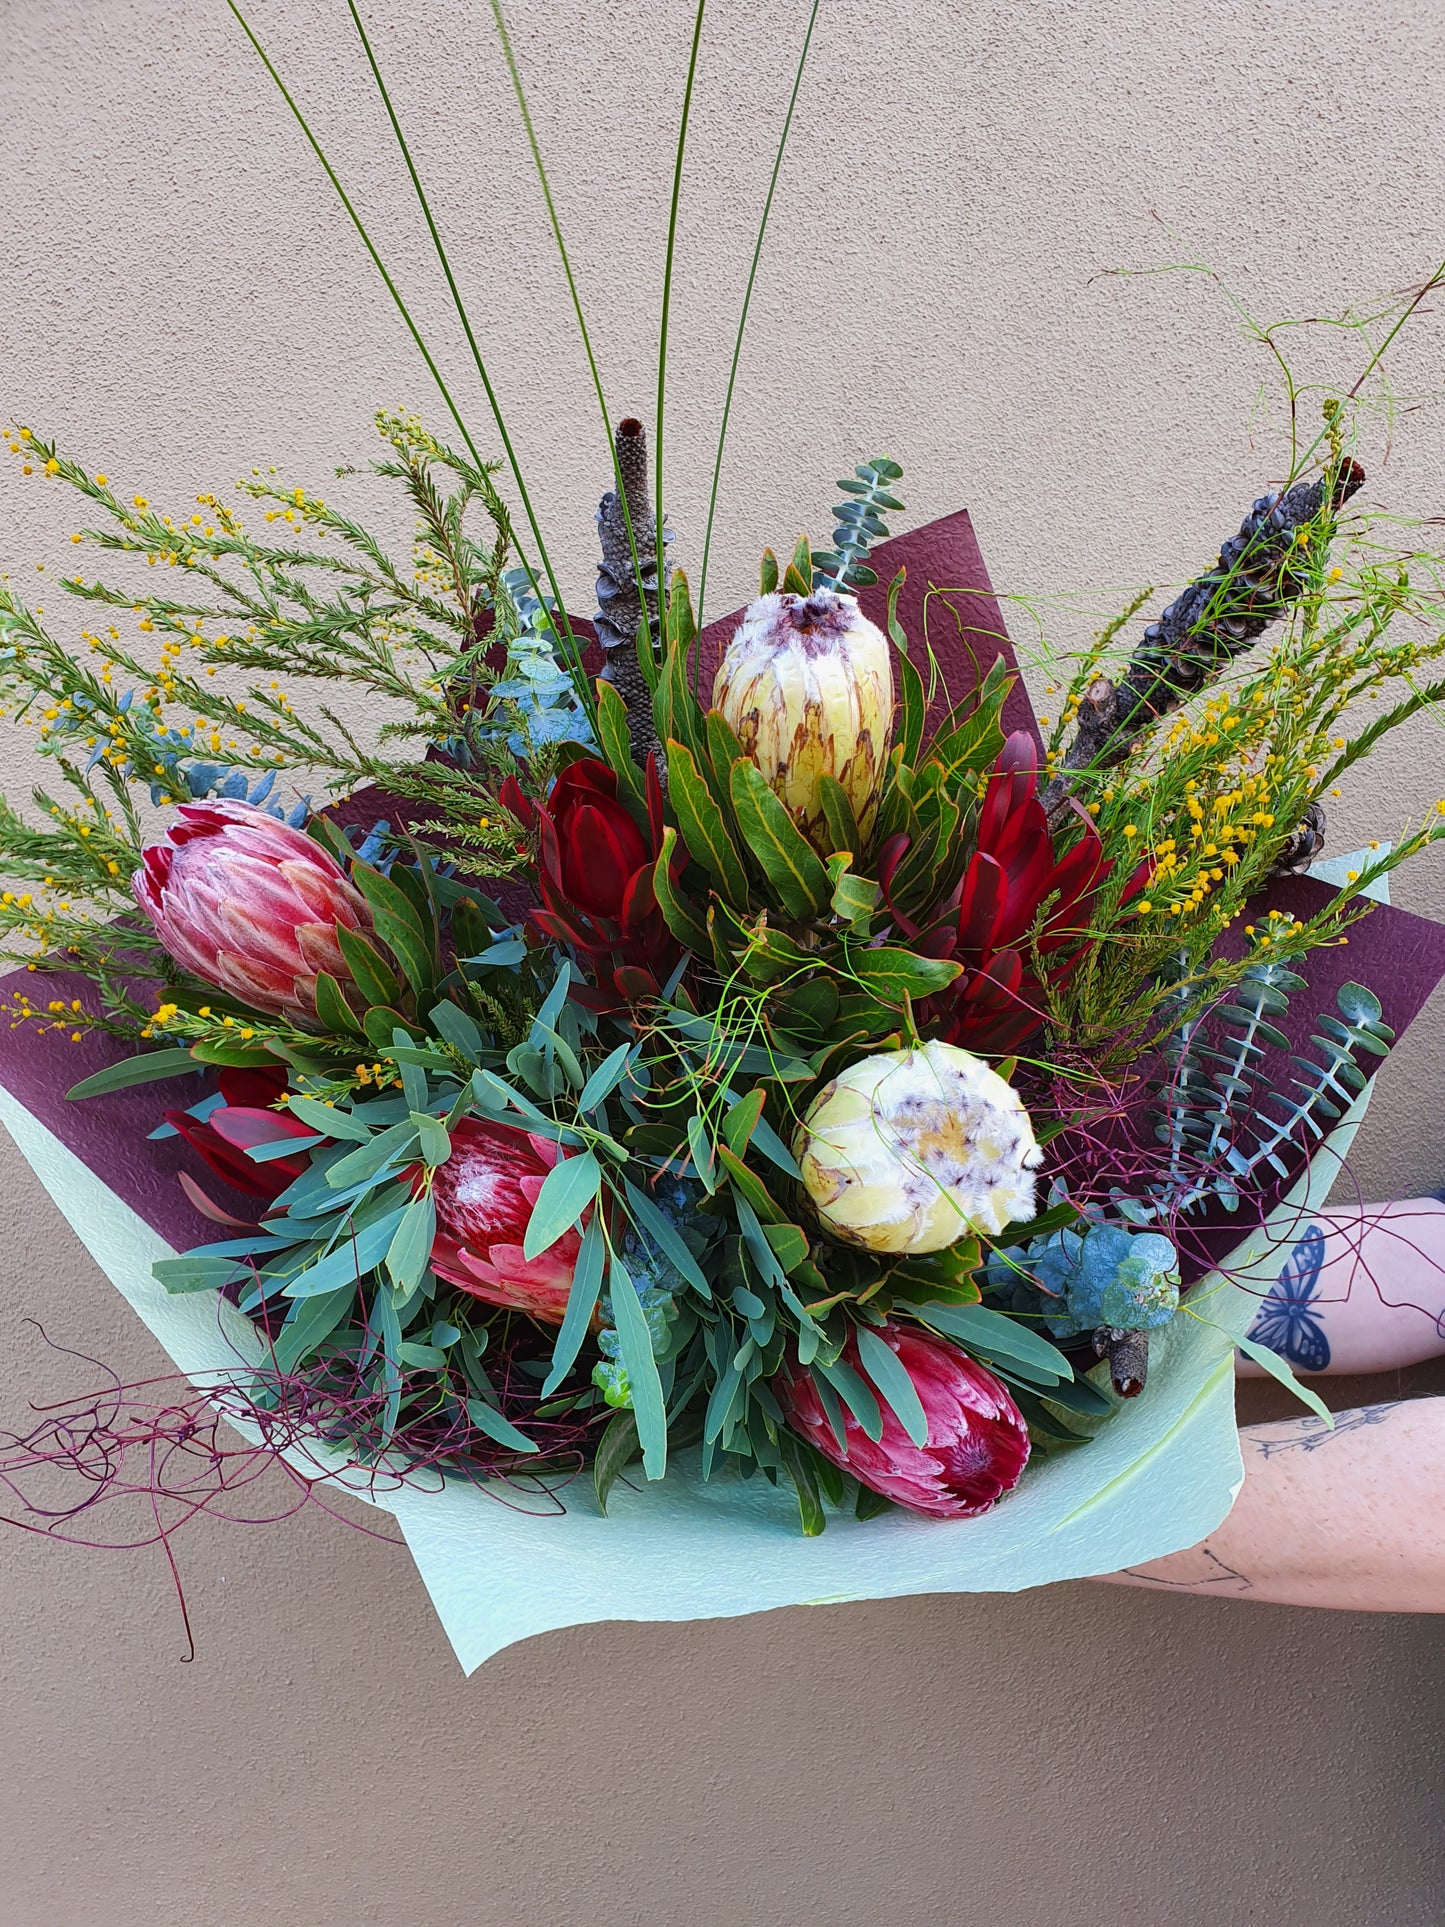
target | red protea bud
[
  {"x": 484, "y": 1195},
  {"x": 977, "y": 1444},
  {"x": 249, "y": 904}
]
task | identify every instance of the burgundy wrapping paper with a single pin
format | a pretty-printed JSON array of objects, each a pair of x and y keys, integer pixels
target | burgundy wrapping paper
[{"x": 1399, "y": 956}]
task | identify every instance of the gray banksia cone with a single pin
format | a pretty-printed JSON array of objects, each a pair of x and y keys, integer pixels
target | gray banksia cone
[
  {"x": 620, "y": 609},
  {"x": 1258, "y": 575}
]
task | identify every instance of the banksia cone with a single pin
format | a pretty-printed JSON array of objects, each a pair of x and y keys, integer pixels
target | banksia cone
[
  {"x": 621, "y": 611},
  {"x": 910, "y": 1150},
  {"x": 1259, "y": 573},
  {"x": 807, "y": 685}
]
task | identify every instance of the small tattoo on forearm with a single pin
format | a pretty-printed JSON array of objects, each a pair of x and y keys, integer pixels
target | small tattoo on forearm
[
  {"x": 1308, "y": 1434},
  {"x": 1288, "y": 1321},
  {"x": 1211, "y": 1572}
]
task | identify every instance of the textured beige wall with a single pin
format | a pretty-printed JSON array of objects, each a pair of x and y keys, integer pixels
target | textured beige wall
[{"x": 180, "y": 297}]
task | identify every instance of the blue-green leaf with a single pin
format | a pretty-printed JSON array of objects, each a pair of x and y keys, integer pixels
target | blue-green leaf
[
  {"x": 357, "y": 1253},
  {"x": 616, "y": 1447},
  {"x": 581, "y": 1302},
  {"x": 145, "y": 1069},
  {"x": 488, "y": 1419},
  {"x": 699, "y": 1143},
  {"x": 855, "y": 1393},
  {"x": 364, "y": 1163},
  {"x": 421, "y": 1358},
  {"x": 546, "y": 1018},
  {"x": 766, "y": 1140},
  {"x": 979, "y": 1329},
  {"x": 409, "y": 1252},
  {"x": 198, "y": 1273},
  {"x": 569, "y": 1188},
  {"x": 388, "y": 1327},
  {"x": 1272, "y": 1363},
  {"x": 308, "y": 1322},
  {"x": 635, "y": 1342},
  {"x": 666, "y": 1236},
  {"x": 436, "y": 1144},
  {"x": 329, "y": 1119},
  {"x": 887, "y": 1372},
  {"x": 458, "y": 1030},
  {"x": 605, "y": 1079}
]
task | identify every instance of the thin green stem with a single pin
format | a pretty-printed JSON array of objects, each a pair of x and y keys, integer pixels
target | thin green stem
[
  {"x": 667, "y": 283},
  {"x": 747, "y": 302},
  {"x": 571, "y": 648},
  {"x": 644, "y": 633},
  {"x": 584, "y": 692},
  {"x": 1375, "y": 359},
  {"x": 357, "y": 223}
]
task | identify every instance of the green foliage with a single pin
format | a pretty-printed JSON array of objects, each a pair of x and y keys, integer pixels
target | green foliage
[
  {"x": 858, "y": 525},
  {"x": 1226, "y": 1123},
  {"x": 197, "y": 703}
]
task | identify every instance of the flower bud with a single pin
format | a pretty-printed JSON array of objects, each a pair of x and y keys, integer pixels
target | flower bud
[
  {"x": 807, "y": 685},
  {"x": 910, "y": 1150},
  {"x": 977, "y": 1444},
  {"x": 250, "y": 905}
]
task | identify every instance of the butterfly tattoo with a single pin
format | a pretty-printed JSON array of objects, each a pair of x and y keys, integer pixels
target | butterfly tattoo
[{"x": 1288, "y": 1321}]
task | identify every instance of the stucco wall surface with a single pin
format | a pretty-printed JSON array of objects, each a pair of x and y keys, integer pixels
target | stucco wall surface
[{"x": 182, "y": 298}]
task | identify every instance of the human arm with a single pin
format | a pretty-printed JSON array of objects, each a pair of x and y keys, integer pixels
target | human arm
[
  {"x": 1352, "y": 1518},
  {"x": 1362, "y": 1290}
]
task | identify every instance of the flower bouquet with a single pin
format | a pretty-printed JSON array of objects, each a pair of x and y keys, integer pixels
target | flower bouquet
[{"x": 702, "y": 1085}]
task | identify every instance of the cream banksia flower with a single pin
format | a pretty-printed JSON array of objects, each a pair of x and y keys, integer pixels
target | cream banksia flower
[
  {"x": 910, "y": 1150},
  {"x": 807, "y": 684}
]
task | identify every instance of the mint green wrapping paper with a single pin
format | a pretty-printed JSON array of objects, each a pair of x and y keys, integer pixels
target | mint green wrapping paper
[{"x": 1160, "y": 1475}]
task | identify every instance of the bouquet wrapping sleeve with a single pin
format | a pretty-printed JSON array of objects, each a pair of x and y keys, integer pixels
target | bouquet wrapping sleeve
[{"x": 1160, "y": 1475}]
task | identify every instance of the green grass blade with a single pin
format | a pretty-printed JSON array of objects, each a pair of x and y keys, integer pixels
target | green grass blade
[
  {"x": 667, "y": 284},
  {"x": 580, "y": 680},
  {"x": 534, "y": 145},
  {"x": 360, "y": 226},
  {"x": 747, "y": 303}
]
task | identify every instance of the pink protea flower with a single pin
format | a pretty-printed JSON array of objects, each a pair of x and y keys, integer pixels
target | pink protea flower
[
  {"x": 484, "y": 1195},
  {"x": 977, "y": 1443},
  {"x": 250, "y": 905}
]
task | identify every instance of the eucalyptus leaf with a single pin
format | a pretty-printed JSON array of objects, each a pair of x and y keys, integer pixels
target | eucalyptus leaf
[
  {"x": 997, "y": 1334},
  {"x": 666, "y": 1236},
  {"x": 369, "y": 1160},
  {"x": 309, "y": 1321},
  {"x": 458, "y": 1030},
  {"x": 330, "y": 1119},
  {"x": 1277, "y": 1368},
  {"x": 568, "y": 1189},
  {"x": 148, "y": 1068},
  {"x": 436, "y": 1143},
  {"x": 605, "y": 1079},
  {"x": 635, "y": 1342},
  {"x": 888, "y": 1373},
  {"x": 617, "y": 1447},
  {"x": 581, "y": 1303},
  {"x": 855, "y": 1393},
  {"x": 409, "y": 1252}
]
